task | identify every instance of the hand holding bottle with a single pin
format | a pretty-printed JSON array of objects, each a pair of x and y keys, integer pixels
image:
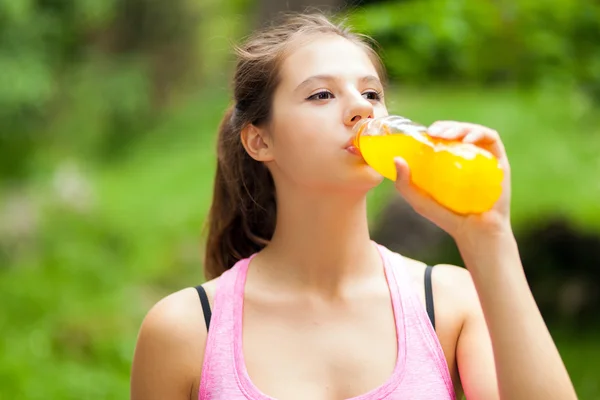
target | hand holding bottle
[{"x": 465, "y": 228}]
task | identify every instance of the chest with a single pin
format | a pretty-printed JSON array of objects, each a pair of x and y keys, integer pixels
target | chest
[{"x": 317, "y": 351}]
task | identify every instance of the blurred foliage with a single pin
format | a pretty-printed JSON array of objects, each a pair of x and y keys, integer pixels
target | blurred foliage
[
  {"x": 539, "y": 42},
  {"x": 89, "y": 77},
  {"x": 83, "y": 256}
]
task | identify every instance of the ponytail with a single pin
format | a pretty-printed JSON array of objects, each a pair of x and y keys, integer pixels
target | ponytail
[{"x": 242, "y": 215}]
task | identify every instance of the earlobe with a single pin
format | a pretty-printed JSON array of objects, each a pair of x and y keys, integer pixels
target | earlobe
[{"x": 256, "y": 143}]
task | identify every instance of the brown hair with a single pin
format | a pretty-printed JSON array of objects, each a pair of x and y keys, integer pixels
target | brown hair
[{"x": 243, "y": 212}]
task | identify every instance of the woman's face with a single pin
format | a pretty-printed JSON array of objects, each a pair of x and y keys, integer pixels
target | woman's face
[{"x": 326, "y": 87}]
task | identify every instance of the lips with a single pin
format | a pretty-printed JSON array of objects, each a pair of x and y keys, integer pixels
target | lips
[
  {"x": 353, "y": 150},
  {"x": 351, "y": 147}
]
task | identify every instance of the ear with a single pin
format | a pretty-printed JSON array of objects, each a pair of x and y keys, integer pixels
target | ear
[{"x": 257, "y": 143}]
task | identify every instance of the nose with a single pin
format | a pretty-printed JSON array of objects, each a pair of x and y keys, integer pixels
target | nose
[{"x": 359, "y": 108}]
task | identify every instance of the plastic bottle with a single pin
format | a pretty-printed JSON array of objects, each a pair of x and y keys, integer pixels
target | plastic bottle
[{"x": 460, "y": 176}]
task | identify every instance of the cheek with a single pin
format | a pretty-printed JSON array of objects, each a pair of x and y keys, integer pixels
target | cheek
[
  {"x": 380, "y": 110},
  {"x": 302, "y": 126},
  {"x": 299, "y": 137},
  {"x": 303, "y": 147}
]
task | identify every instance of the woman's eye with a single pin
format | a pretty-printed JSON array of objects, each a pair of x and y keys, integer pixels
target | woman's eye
[
  {"x": 372, "y": 95},
  {"x": 324, "y": 95}
]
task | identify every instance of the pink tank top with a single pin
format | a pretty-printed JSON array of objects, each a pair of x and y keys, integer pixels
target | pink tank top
[{"x": 421, "y": 372}]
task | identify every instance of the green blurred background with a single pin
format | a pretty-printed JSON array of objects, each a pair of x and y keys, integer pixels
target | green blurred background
[{"x": 108, "y": 115}]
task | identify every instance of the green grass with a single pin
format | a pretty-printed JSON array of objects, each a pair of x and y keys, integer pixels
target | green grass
[{"x": 73, "y": 299}]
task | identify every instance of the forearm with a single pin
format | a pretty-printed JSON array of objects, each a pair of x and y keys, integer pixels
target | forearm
[{"x": 528, "y": 364}]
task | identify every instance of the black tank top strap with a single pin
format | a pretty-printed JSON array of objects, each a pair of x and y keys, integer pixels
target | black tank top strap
[
  {"x": 429, "y": 295},
  {"x": 205, "y": 305}
]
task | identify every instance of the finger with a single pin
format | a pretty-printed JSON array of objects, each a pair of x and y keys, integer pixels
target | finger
[
  {"x": 439, "y": 127},
  {"x": 476, "y": 137},
  {"x": 421, "y": 202},
  {"x": 449, "y": 130},
  {"x": 479, "y": 135},
  {"x": 488, "y": 139},
  {"x": 485, "y": 134}
]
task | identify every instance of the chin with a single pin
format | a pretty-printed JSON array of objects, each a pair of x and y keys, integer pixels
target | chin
[{"x": 365, "y": 178}]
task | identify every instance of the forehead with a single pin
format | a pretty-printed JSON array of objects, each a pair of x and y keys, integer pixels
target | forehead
[{"x": 326, "y": 55}]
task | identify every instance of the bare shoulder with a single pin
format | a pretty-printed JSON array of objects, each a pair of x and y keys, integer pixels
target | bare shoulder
[
  {"x": 170, "y": 347},
  {"x": 456, "y": 279},
  {"x": 456, "y": 282},
  {"x": 450, "y": 282},
  {"x": 173, "y": 317}
]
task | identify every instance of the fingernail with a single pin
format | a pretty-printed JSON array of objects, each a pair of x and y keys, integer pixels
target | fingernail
[
  {"x": 450, "y": 133},
  {"x": 470, "y": 138},
  {"x": 435, "y": 129}
]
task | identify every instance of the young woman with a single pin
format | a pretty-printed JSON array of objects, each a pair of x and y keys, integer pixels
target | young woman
[{"x": 302, "y": 304}]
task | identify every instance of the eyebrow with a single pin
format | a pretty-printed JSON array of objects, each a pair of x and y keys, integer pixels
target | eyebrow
[{"x": 365, "y": 79}]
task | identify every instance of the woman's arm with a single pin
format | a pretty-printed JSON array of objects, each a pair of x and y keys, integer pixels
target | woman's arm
[
  {"x": 170, "y": 349},
  {"x": 526, "y": 362}
]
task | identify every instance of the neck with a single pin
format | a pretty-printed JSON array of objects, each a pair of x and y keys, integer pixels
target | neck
[{"x": 321, "y": 241}]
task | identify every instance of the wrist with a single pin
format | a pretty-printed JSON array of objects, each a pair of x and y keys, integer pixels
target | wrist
[
  {"x": 494, "y": 250},
  {"x": 478, "y": 231}
]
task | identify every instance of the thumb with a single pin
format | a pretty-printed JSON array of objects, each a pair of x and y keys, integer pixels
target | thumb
[
  {"x": 420, "y": 201},
  {"x": 402, "y": 175},
  {"x": 411, "y": 193}
]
